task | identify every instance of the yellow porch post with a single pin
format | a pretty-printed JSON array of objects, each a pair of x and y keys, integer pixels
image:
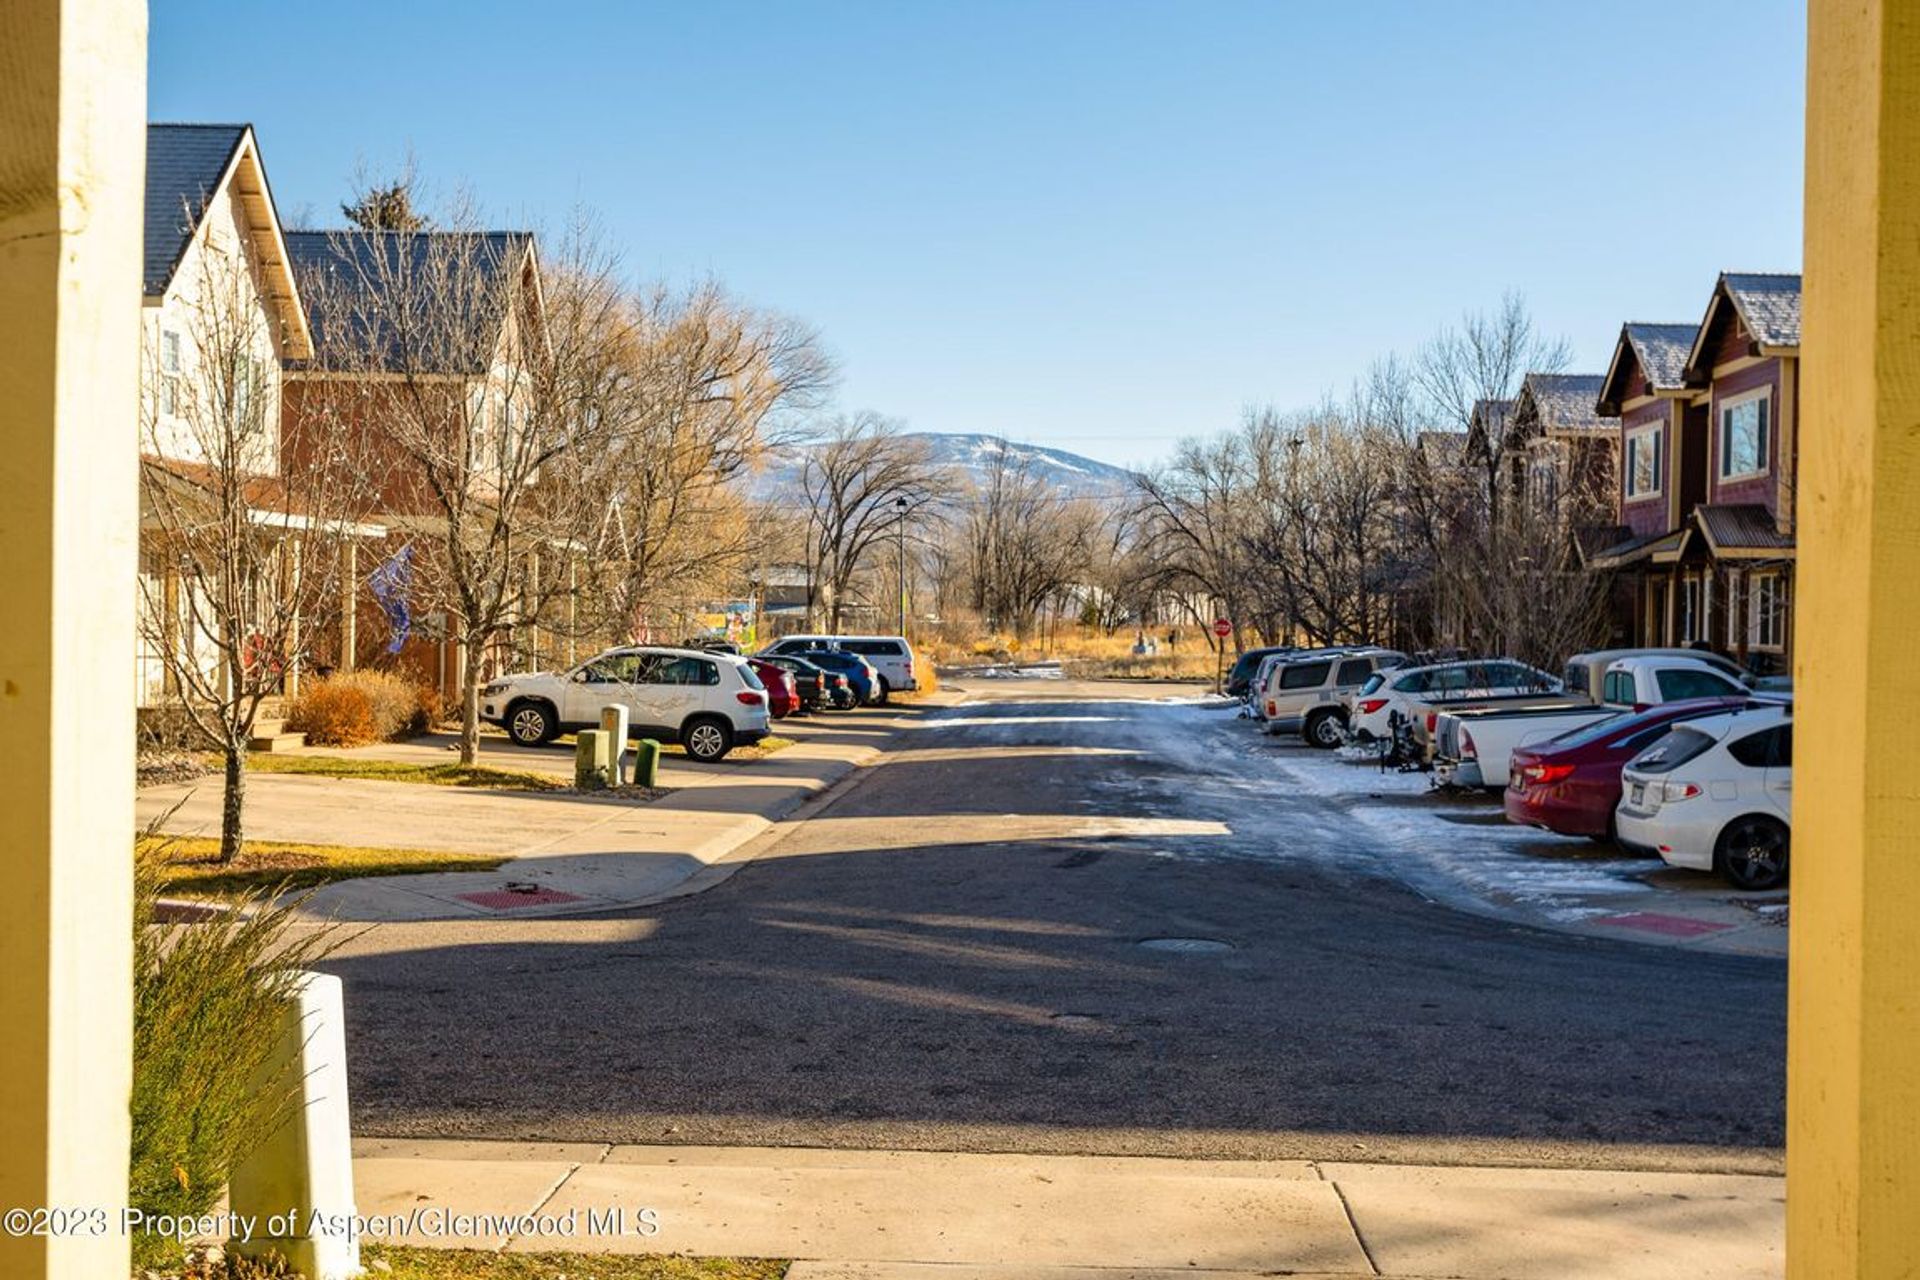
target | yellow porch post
[
  {"x": 72, "y": 140},
  {"x": 1853, "y": 1069}
]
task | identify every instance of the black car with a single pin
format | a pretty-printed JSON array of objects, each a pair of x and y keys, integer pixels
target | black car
[
  {"x": 1240, "y": 678},
  {"x": 818, "y": 687}
]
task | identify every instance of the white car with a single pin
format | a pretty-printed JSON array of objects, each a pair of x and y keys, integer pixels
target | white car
[
  {"x": 1409, "y": 690},
  {"x": 709, "y": 703},
  {"x": 1716, "y": 794},
  {"x": 891, "y": 656},
  {"x": 1254, "y": 706}
]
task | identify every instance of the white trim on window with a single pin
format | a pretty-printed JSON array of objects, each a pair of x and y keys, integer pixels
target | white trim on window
[
  {"x": 1763, "y": 398},
  {"x": 1767, "y": 611},
  {"x": 1646, "y": 441}
]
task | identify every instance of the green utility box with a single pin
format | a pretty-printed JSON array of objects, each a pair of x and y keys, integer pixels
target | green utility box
[{"x": 592, "y": 760}]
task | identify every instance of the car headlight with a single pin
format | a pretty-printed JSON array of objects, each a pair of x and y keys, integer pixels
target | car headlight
[{"x": 495, "y": 689}]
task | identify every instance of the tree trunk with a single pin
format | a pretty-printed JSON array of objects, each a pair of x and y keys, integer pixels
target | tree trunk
[
  {"x": 233, "y": 798},
  {"x": 470, "y": 704}
]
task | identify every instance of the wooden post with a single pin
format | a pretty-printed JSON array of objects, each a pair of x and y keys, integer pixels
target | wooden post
[
  {"x": 72, "y": 162},
  {"x": 1853, "y": 1041}
]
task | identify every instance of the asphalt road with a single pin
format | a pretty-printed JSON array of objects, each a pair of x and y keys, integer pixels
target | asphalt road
[{"x": 947, "y": 957}]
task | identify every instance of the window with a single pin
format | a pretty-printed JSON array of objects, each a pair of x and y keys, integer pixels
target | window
[
  {"x": 1692, "y": 616},
  {"x": 1677, "y": 686},
  {"x": 1733, "y": 609},
  {"x": 1617, "y": 689},
  {"x": 614, "y": 668},
  {"x": 169, "y": 372},
  {"x": 873, "y": 648},
  {"x": 1354, "y": 671},
  {"x": 1672, "y": 751},
  {"x": 1644, "y": 462},
  {"x": 1768, "y": 749},
  {"x": 1304, "y": 675},
  {"x": 1744, "y": 426},
  {"x": 665, "y": 670},
  {"x": 1766, "y": 612}
]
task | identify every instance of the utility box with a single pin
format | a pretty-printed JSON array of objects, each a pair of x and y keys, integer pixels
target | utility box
[
  {"x": 592, "y": 762},
  {"x": 613, "y": 723},
  {"x": 299, "y": 1183},
  {"x": 646, "y": 763}
]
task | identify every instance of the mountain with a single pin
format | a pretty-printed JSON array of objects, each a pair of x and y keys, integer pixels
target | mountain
[{"x": 971, "y": 455}]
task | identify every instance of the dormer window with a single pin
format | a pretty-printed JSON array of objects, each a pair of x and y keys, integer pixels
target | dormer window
[
  {"x": 1745, "y": 426},
  {"x": 1645, "y": 461}
]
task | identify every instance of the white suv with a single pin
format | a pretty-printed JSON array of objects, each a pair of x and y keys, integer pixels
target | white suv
[
  {"x": 1715, "y": 794},
  {"x": 1305, "y": 693},
  {"x": 891, "y": 656},
  {"x": 710, "y": 703}
]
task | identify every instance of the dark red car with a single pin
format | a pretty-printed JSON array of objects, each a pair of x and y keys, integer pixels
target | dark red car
[
  {"x": 1571, "y": 784},
  {"x": 783, "y": 695}
]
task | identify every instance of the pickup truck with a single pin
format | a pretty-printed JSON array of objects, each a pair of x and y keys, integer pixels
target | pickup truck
[{"x": 1473, "y": 748}]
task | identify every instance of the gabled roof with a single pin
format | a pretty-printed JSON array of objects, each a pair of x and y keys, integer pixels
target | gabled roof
[
  {"x": 1563, "y": 404},
  {"x": 1766, "y": 304},
  {"x": 1487, "y": 426},
  {"x": 1659, "y": 351},
  {"x": 1442, "y": 448},
  {"x": 187, "y": 166},
  {"x": 355, "y": 328}
]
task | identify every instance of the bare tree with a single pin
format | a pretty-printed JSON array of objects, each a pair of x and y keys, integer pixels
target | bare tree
[
  {"x": 1027, "y": 542},
  {"x": 1193, "y": 513},
  {"x": 491, "y": 387},
  {"x": 241, "y": 551},
  {"x": 707, "y": 385},
  {"x": 861, "y": 480}
]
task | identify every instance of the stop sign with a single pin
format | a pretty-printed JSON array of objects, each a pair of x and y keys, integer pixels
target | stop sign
[{"x": 1222, "y": 628}]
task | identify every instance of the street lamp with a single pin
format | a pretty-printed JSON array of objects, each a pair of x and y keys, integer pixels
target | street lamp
[{"x": 900, "y": 505}]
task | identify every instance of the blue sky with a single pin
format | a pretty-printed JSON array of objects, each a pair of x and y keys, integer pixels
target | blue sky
[{"x": 1100, "y": 226}]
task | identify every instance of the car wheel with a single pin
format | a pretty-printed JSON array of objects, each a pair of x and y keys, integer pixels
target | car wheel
[
  {"x": 531, "y": 724},
  {"x": 1323, "y": 729},
  {"x": 881, "y": 691},
  {"x": 1753, "y": 853},
  {"x": 707, "y": 739}
]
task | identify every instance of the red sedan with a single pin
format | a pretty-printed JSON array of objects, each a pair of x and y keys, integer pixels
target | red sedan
[
  {"x": 1571, "y": 784},
  {"x": 783, "y": 694}
]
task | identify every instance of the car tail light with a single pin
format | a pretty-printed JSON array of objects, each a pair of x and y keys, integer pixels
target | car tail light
[
  {"x": 1433, "y": 718},
  {"x": 1273, "y": 709},
  {"x": 1545, "y": 773},
  {"x": 1674, "y": 792},
  {"x": 750, "y": 697},
  {"x": 1467, "y": 750},
  {"x": 1370, "y": 705}
]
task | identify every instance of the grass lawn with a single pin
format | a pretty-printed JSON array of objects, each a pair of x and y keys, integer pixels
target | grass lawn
[
  {"x": 435, "y": 775},
  {"x": 192, "y": 864},
  {"x": 471, "y": 1264}
]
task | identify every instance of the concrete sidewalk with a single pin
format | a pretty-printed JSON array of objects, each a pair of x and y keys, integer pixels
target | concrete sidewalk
[
  {"x": 568, "y": 853},
  {"x": 902, "y": 1215}
]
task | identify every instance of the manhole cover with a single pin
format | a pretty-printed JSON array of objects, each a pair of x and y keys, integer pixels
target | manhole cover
[{"x": 1188, "y": 946}]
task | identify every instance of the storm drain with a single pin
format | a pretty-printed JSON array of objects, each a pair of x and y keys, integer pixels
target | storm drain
[
  {"x": 1187, "y": 946},
  {"x": 512, "y": 899}
]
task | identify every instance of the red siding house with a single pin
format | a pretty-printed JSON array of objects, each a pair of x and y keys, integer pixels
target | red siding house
[{"x": 1708, "y": 416}]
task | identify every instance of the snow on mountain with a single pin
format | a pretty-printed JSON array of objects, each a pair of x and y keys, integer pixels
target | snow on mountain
[{"x": 972, "y": 454}]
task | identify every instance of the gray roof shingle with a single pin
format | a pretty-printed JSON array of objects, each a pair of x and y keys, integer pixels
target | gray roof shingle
[
  {"x": 1565, "y": 401},
  {"x": 341, "y": 274},
  {"x": 1662, "y": 351},
  {"x": 1769, "y": 305},
  {"x": 184, "y": 166}
]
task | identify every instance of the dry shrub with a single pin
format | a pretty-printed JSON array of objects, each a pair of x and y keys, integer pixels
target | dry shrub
[
  {"x": 333, "y": 713},
  {"x": 353, "y": 708},
  {"x": 429, "y": 709}
]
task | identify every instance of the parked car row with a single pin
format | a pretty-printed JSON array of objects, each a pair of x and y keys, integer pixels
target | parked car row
[
  {"x": 1670, "y": 752},
  {"x": 705, "y": 695}
]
